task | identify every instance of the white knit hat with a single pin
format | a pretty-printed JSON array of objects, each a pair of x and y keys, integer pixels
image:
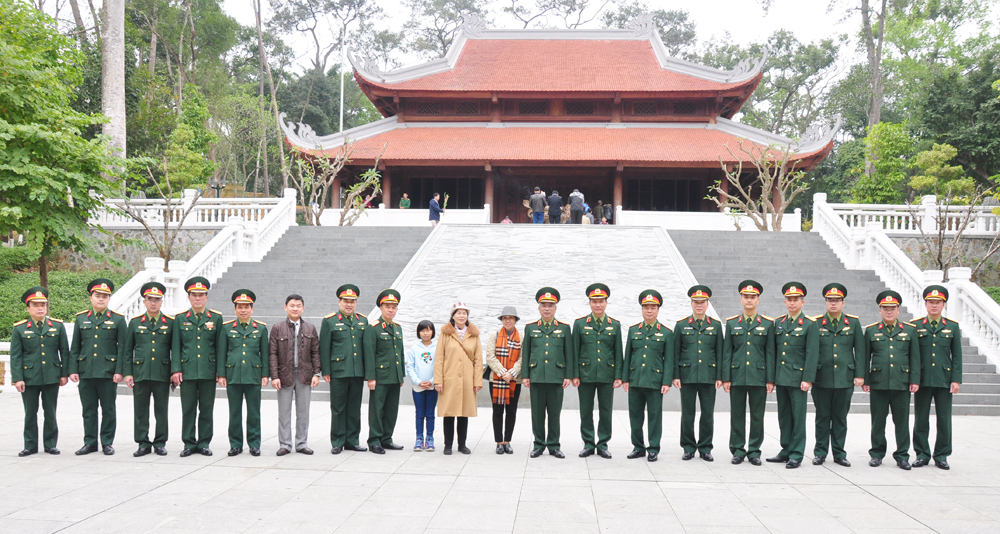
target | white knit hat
[{"x": 459, "y": 306}]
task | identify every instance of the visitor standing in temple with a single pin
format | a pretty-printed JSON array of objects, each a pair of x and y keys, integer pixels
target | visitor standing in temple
[
  {"x": 435, "y": 209},
  {"x": 537, "y": 205},
  {"x": 555, "y": 208},
  {"x": 576, "y": 209},
  {"x": 293, "y": 364}
]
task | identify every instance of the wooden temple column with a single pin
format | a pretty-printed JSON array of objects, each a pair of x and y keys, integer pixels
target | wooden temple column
[
  {"x": 335, "y": 192},
  {"x": 618, "y": 189},
  {"x": 387, "y": 187},
  {"x": 725, "y": 186},
  {"x": 489, "y": 178}
]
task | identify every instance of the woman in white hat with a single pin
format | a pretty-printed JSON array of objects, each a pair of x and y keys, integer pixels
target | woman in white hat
[
  {"x": 503, "y": 356},
  {"x": 458, "y": 372}
]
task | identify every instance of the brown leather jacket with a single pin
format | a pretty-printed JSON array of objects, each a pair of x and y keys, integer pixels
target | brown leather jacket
[{"x": 282, "y": 357}]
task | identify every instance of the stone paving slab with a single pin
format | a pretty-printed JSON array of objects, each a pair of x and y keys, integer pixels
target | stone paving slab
[{"x": 429, "y": 492}]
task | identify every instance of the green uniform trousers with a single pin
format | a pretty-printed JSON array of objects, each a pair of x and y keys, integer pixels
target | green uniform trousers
[
  {"x": 345, "y": 411},
  {"x": 648, "y": 400},
  {"x": 705, "y": 393},
  {"x": 922, "y": 425},
  {"x": 141, "y": 393},
  {"x": 605, "y": 404},
  {"x": 50, "y": 431},
  {"x": 882, "y": 401},
  {"x": 94, "y": 392},
  {"x": 383, "y": 406},
  {"x": 738, "y": 398},
  {"x": 546, "y": 399},
  {"x": 236, "y": 394},
  {"x": 832, "y": 406},
  {"x": 792, "y": 421},
  {"x": 197, "y": 406}
]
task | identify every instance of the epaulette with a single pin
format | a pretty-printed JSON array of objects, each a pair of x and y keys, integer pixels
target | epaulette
[
  {"x": 118, "y": 313},
  {"x": 731, "y": 318},
  {"x": 19, "y": 323},
  {"x": 138, "y": 316},
  {"x": 765, "y": 317},
  {"x": 815, "y": 317},
  {"x": 871, "y": 325},
  {"x": 950, "y": 320},
  {"x": 56, "y": 320},
  {"x": 636, "y": 324},
  {"x": 361, "y": 316},
  {"x": 851, "y": 316},
  {"x": 909, "y": 324},
  {"x": 330, "y": 315},
  {"x": 215, "y": 311},
  {"x": 260, "y": 322},
  {"x": 229, "y": 321},
  {"x": 82, "y": 312},
  {"x": 373, "y": 323},
  {"x": 171, "y": 317}
]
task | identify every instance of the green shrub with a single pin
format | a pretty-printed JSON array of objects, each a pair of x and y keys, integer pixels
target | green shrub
[
  {"x": 993, "y": 292},
  {"x": 16, "y": 259}
]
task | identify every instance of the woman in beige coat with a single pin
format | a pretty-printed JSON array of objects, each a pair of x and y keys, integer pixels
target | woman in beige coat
[{"x": 458, "y": 375}]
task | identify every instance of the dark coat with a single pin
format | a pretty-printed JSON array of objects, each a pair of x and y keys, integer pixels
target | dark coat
[
  {"x": 555, "y": 205},
  {"x": 537, "y": 202},
  {"x": 436, "y": 211},
  {"x": 281, "y": 358}
]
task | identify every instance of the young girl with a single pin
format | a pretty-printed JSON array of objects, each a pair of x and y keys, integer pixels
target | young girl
[{"x": 420, "y": 369}]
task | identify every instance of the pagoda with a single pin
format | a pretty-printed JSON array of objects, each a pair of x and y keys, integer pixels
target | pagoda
[{"x": 608, "y": 112}]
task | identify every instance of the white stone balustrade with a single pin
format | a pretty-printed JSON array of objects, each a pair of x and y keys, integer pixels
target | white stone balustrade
[
  {"x": 207, "y": 212},
  {"x": 702, "y": 220},
  {"x": 383, "y": 216},
  {"x": 903, "y": 219}
]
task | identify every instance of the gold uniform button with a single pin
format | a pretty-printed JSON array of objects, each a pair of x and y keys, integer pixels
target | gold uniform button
[
  {"x": 699, "y": 361},
  {"x": 199, "y": 354},
  {"x": 748, "y": 342},
  {"x": 43, "y": 362},
  {"x": 890, "y": 365},
  {"x": 834, "y": 366},
  {"x": 748, "y": 363},
  {"x": 598, "y": 359},
  {"x": 546, "y": 361},
  {"x": 244, "y": 361},
  {"x": 834, "y": 344},
  {"x": 153, "y": 359},
  {"x": 199, "y": 346}
]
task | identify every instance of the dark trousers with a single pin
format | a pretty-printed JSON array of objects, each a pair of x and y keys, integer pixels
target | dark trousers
[
  {"x": 537, "y": 217},
  {"x": 832, "y": 406},
  {"x": 237, "y": 393},
  {"x": 49, "y": 395},
  {"x": 576, "y": 216},
  {"x": 449, "y": 431},
  {"x": 648, "y": 400},
  {"x": 546, "y": 400},
  {"x": 942, "y": 398},
  {"x": 605, "y": 404},
  {"x": 345, "y": 411},
  {"x": 882, "y": 401},
  {"x": 555, "y": 217},
  {"x": 705, "y": 393},
  {"x": 141, "y": 393},
  {"x": 739, "y": 396},
  {"x": 792, "y": 421},
  {"x": 503, "y": 429},
  {"x": 383, "y": 406},
  {"x": 94, "y": 392},
  {"x": 425, "y": 402},
  {"x": 197, "y": 410}
]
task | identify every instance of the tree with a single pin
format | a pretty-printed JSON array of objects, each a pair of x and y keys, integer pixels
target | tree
[
  {"x": 313, "y": 174},
  {"x": 887, "y": 148},
  {"x": 775, "y": 184},
  {"x": 113, "y": 75},
  {"x": 434, "y": 23},
  {"x": 939, "y": 178},
  {"x": 947, "y": 250},
  {"x": 571, "y": 14},
  {"x": 47, "y": 167},
  {"x": 676, "y": 29}
]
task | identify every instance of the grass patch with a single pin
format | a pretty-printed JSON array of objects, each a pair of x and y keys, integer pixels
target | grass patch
[{"x": 993, "y": 292}]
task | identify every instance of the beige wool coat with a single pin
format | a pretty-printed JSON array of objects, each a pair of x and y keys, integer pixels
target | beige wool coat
[{"x": 458, "y": 367}]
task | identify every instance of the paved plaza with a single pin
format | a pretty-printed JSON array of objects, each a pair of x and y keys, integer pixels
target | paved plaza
[{"x": 429, "y": 492}]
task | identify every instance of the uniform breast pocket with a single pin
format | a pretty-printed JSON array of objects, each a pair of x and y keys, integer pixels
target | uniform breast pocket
[{"x": 108, "y": 332}]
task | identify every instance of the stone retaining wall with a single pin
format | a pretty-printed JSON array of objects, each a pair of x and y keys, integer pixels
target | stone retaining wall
[
  {"x": 133, "y": 247},
  {"x": 974, "y": 249}
]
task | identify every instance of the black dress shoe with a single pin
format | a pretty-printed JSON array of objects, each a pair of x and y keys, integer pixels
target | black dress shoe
[
  {"x": 586, "y": 452},
  {"x": 392, "y": 447},
  {"x": 557, "y": 453},
  {"x": 636, "y": 453},
  {"x": 283, "y": 451},
  {"x": 464, "y": 450},
  {"x": 507, "y": 448},
  {"x": 919, "y": 462},
  {"x": 51, "y": 450},
  {"x": 86, "y": 449},
  {"x": 141, "y": 452},
  {"x": 652, "y": 457},
  {"x": 687, "y": 456},
  {"x": 27, "y": 452},
  {"x": 842, "y": 461},
  {"x": 499, "y": 448},
  {"x": 755, "y": 461},
  {"x": 187, "y": 452},
  {"x": 793, "y": 464},
  {"x": 356, "y": 448},
  {"x": 535, "y": 453},
  {"x": 707, "y": 456},
  {"x": 205, "y": 451},
  {"x": 818, "y": 461},
  {"x": 304, "y": 450},
  {"x": 336, "y": 450},
  {"x": 160, "y": 451},
  {"x": 235, "y": 450},
  {"x": 875, "y": 462},
  {"x": 603, "y": 453},
  {"x": 904, "y": 465},
  {"x": 737, "y": 460},
  {"x": 942, "y": 464},
  {"x": 377, "y": 449},
  {"x": 108, "y": 450},
  {"x": 778, "y": 460},
  {"x": 254, "y": 451},
  {"x": 447, "y": 450}
]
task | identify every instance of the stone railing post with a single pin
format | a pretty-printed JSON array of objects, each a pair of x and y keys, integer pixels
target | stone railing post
[
  {"x": 857, "y": 245},
  {"x": 957, "y": 277},
  {"x": 928, "y": 211},
  {"x": 238, "y": 235},
  {"x": 869, "y": 250},
  {"x": 154, "y": 266},
  {"x": 174, "y": 282}
]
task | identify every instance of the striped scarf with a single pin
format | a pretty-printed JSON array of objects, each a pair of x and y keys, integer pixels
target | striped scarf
[{"x": 508, "y": 350}]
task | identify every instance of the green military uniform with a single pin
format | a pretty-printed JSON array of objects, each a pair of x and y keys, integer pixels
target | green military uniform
[
  {"x": 597, "y": 346},
  {"x": 841, "y": 349},
  {"x": 193, "y": 355},
  {"x": 147, "y": 360},
  {"x": 39, "y": 354},
  {"x": 342, "y": 358},
  {"x": 242, "y": 355},
  {"x": 648, "y": 366},
  {"x": 892, "y": 364},
  {"x": 941, "y": 365},
  {"x": 796, "y": 355},
  {"x": 547, "y": 355},
  {"x": 746, "y": 351},
  {"x": 98, "y": 343},
  {"x": 698, "y": 356},
  {"x": 404, "y": 203},
  {"x": 383, "y": 350}
]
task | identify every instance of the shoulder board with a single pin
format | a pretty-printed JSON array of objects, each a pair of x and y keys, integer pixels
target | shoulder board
[
  {"x": 373, "y": 323},
  {"x": 851, "y": 316},
  {"x": 230, "y": 321},
  {"x": 19, "y": 323},
  {"x": 60, "y": 320},
  {"x": 171, "y": 317},
  {"x": 330, "y": 315},
  {"x": 260, "y": 322},
  {"x": 813, "y": 318},
  {"x": 215, "y": 311},
  {"x": 950, "y": 320},
  {"x": 731, "y": 318},
  {"x": 81, "y": 312},
  {"x": 762, "y": 316},
  {"x": 909, "y": 324},
  {"x": 636, "y": 324},
  {"x": 138, "y": 316},
  {"x": 584, "y": 317},
  {"x": 361, "y": 316},
  {"x": 871, "y": 325},
  {"x": 611, "y": 319},
  {"x": 118, "y": 313}
]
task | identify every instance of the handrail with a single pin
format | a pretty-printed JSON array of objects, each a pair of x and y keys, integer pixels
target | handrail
[
  {"x": 977, "y": 313},
  {"x": 207, "y": 212},
  {"x": 909, "y": 219},
  {"x": 5, "y": 358}
]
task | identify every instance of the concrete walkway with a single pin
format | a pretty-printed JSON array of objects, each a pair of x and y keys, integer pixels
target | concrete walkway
[{"x": 429, "y": 492}]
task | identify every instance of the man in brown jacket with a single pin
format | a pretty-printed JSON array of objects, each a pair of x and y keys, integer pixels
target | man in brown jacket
[{"x": 295, "y": 370}]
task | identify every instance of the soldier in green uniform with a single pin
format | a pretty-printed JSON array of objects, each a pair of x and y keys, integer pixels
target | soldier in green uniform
[
  {"x": 146, "y": 367},
  {"x": 384, "y": 371},
  {"x": 547, "y": 356},
  {"x": 38, "y": 360},
  {"x": 841, "y": 349},
  {"x": 241, "y": 355},
  {"x": 98, "y": 344},
  {"x": 746, "y": 375},
  {"x": 892, "y": 372},
  {"x": 648, "y": 371},
  {"x": 940, "y": 379},
  {"x": 697, "y": 373},
  {"x": 193, "y": 363},
  {"x": 597, "y": 368},
  {"x": 796, "y": 354},
  {"x": 342, "y": 358}
]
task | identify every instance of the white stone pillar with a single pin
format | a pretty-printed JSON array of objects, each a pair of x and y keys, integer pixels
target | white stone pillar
[
  {"x": 236, "y": 222},
  {"x": 174, "y": 282},
  {"x": 928, "y": 208},
  {"x": 958, "y": 277}
]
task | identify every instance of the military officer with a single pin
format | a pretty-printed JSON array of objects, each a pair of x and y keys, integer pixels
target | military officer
[
  {"x": 892, "y": 372},
  {"x": 547, "y": 355},
  {"x": 940, "y": 378},
  {"x": 597, "y": 368},
  {"x": 697, "y": 372},
  {"x": 796, "y": 353},
  {"x": 841, "y": 353},
  {"x": 39, "y": 355},
  {"x": 241, "y": 355},
  {"x": 146, "y": 367},
  {"x": 342, "y": 358},
  {"x": 648, "y": 371},
  {"x": 98, "y": 343},
  {"x": 746, "y": 375},
  {"x": 194, "y": 367},
  {"x": 384, "y": 371}
]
